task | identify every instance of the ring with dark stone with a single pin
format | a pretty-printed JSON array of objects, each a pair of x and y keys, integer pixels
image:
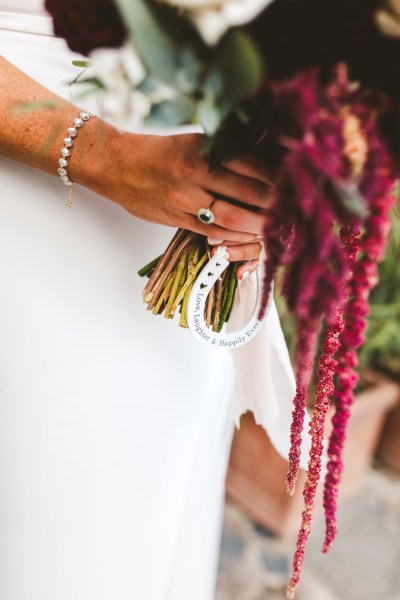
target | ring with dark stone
[{"x": 206, "y": 216}]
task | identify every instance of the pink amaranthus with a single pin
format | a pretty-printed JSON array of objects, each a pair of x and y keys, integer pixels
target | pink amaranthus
[
  {"x": 327, "y": 228},
  {"x": 328, "y": 366},
  {"x": 377, "y": 189}
]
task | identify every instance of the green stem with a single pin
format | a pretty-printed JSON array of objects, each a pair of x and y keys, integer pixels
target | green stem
[
  {"x": 210, "y": 303},
  {"x": 153, "y": 295},
  {"x": 174, "y": 243},
  {"x": 189, "y": 280},
  {"x": 149, "y": 268},
  {"x": 163, "y": 296},
  {"x": 175, "y": 286},
  {"x": 228, "y": 316},
  {"x": 193, "y": 259},
  {"x": 217, "y": 308},
  {"x": 230, "y": 294},
  {"x": 183, "y": 319}
]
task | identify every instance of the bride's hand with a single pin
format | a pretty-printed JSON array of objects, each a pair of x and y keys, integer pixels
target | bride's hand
[
  {"x": 247, "y": 253},
  {"x": 163, "y": 179},
  {"x": 159, "y": 179}
]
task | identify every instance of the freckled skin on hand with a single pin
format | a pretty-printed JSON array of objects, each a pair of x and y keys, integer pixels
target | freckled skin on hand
[{"x": 161, "y": 179}]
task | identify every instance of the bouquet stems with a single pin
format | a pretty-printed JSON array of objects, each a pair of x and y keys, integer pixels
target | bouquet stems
[{"x": 172, "y": 276}]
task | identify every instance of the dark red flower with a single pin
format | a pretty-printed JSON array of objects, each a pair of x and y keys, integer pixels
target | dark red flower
[{"x": 87, "y": 24}]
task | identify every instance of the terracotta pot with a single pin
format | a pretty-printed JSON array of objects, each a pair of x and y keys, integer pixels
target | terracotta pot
[
  {"x": 256, "y": 473},
  {"x": 389, "y": 444}
]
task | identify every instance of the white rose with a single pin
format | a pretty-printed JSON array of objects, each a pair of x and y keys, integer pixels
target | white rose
[
  {"x": 119, "y": 71},
  {"x": 132, "y": 64},
  {"x": 113, "y": 64},
  {"x": 214, "y": 18}
]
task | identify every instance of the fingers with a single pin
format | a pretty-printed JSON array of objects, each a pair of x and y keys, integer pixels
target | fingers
[
  {"x": 250, "y": 166},
  {"x": 244, "y": 252},
  {"x": 236, "y": 218},
  {"x": 228, "y": 217},
  {"x": 249, "y": 253},
  {"x": 231, "y": 185},
  {"x": 243, "y": 179},
  {"x": 246, "y": 269},
  {"x": 215, "y": 231}
]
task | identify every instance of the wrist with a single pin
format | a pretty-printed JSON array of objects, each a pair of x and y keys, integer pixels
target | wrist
[{"x": 89, "y": 161}]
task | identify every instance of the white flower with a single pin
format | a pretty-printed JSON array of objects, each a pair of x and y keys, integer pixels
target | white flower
[
  {"x": 119, "y": 71},
  {"x": 132, "y": 64},
  {"x": 388, "y": 19},
  {"x": 141, "y": 105},
  {"x": 214, "y": 17}
]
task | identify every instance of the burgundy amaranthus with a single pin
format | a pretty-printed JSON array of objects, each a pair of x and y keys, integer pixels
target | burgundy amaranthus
[
  {"x": 377, "y": 189},
  {"x": 328, "y": 366},
  {"x": 299, "y": 225},
  {"x": 326, "y": 372},
  {"x": 334, "y": 158}
]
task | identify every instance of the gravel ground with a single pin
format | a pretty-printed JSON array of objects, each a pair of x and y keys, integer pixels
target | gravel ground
[{"x": 364, "y": 563}]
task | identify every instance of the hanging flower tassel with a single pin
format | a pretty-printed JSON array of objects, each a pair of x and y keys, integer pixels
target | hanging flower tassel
[
  {"x": 327, "y": 368},
  {"x": 307, "y": 338},
  {"x": 334, "y": 169},
  {"x": 346, "y": 379},
  {"x": 365, "y": 277},
  {"x": 326, "y": 372},
  {"x": 301, "y": 227}
]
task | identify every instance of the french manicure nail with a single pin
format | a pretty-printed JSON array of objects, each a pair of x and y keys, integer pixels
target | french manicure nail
[
  {"x": 245, "y": 274},
  {"x": 213, "y": 241}
]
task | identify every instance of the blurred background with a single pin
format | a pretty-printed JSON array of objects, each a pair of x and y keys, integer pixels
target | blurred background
[{"x": 262, "y": 521}]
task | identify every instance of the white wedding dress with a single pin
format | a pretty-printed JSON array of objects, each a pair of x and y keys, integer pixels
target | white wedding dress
[{"x": 115, "y": 425}]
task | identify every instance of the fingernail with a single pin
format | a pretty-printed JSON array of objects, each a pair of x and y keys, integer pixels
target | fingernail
[
  {"x": 213, "y": 241},
  {"x": 226, "y": 255},
  {"x": 245, "y": 274}
]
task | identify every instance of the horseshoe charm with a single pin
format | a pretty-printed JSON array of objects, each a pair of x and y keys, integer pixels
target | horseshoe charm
[{"x": 196, "y": 305}]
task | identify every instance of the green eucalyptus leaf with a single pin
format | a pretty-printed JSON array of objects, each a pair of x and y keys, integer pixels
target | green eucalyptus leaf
[
  {"x": 83, "y": 64},
  {"x": 214, "y": 84},
  {"x": 161, "y": 35},
  {"x": 177, "y": 111},
  {"x": 209, "y": 117},
  {"x": 154, "y": 42},
  {"x": 148, "y": 86},
  {"x": 240, "y": 64},
  {"x": 189, "y": 72}
]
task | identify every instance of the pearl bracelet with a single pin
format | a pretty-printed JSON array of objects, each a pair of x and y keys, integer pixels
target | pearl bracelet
[{"x": 66, "y": 151}]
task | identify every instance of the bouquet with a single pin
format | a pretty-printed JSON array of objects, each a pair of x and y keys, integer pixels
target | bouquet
[
  {"x": 312, "y": 88},
  {"x": 172, "y": 276}
]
